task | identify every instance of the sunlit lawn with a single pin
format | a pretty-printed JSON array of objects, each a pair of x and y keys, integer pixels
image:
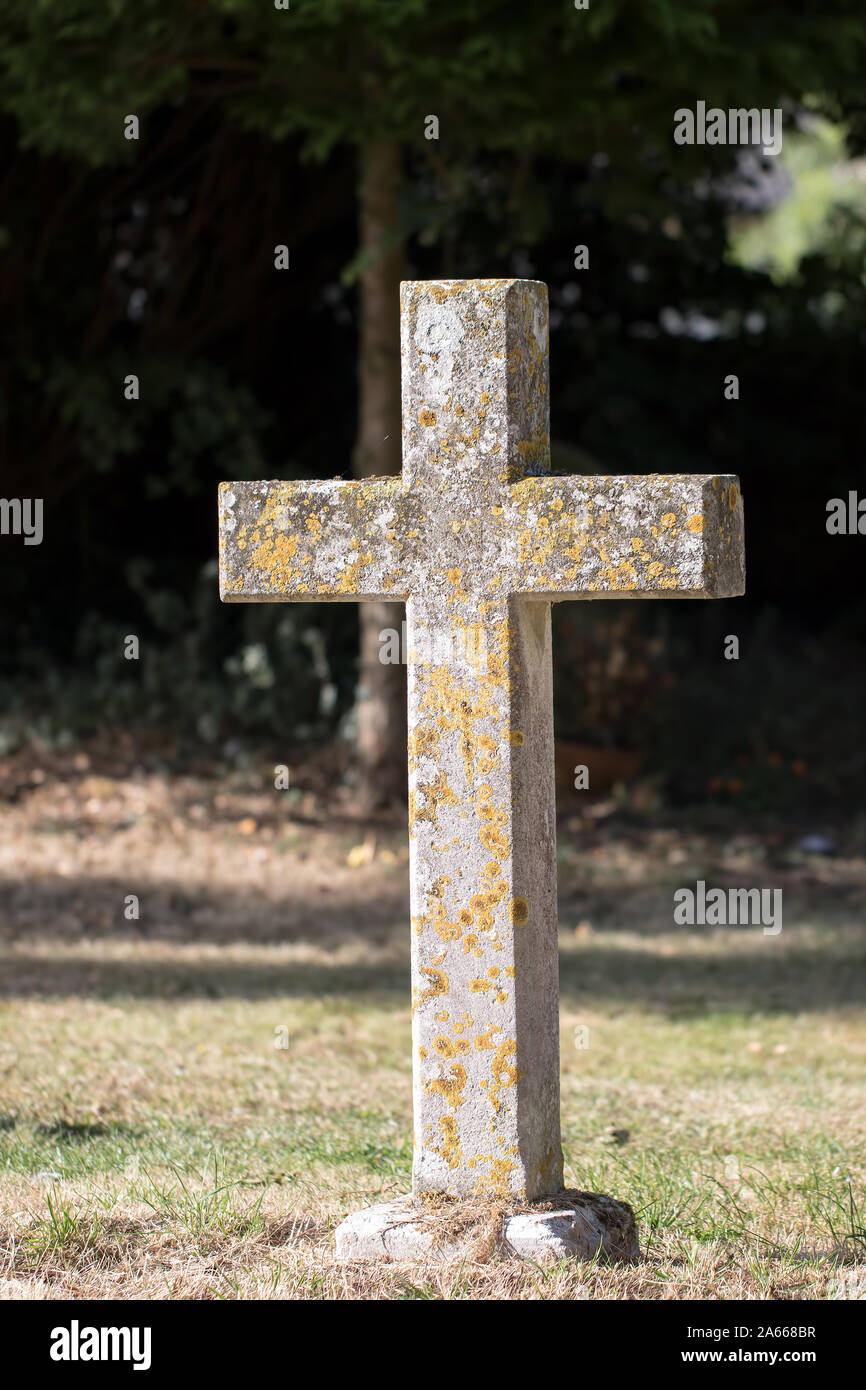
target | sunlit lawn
[
  {"x": 171, "y": 1147},
  {"x": 190, "y": 1103}
]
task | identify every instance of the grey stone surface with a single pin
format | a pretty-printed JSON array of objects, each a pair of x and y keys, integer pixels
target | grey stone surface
[
  {"x": 478, "y": 538},
  {"x": 551, "y": 538},
  {"x": 587, "y": 1226},
  {"x": 391, "y": 1231},
  {"x": 475, "y": 512}
]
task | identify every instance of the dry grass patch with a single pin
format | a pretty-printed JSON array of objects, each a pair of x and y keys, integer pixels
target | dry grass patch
[{"x": 191, "y": 1103}]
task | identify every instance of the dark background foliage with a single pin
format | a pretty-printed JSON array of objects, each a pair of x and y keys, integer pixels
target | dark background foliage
[{"x": 156, "y": 258}]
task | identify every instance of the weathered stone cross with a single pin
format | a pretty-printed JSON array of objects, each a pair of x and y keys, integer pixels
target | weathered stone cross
[{"x": 479, "y": 539}]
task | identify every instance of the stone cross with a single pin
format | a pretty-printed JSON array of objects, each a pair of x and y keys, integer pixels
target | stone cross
[{"x": 478, "y": 538}]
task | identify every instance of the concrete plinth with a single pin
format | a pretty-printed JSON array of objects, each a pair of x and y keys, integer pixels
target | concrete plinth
[{"x": 575, "y": 1225}]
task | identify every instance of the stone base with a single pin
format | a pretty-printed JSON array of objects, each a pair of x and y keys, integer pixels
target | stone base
[{"x": 575, "y": 1225}]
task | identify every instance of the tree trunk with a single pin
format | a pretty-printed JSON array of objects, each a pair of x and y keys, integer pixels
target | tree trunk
[{"x": 381, "y": 694}]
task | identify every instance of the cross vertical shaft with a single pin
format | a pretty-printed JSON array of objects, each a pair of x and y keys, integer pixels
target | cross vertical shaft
[
  {"x": 485, "y": 1028},
  {"x": 485, "y": 1005}
]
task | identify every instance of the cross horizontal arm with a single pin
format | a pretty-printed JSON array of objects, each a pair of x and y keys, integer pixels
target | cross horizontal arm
[
  {"x": 310, "y": 541},
  {"x": 655, "y": 536}
]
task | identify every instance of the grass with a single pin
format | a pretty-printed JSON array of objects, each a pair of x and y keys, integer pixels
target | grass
[
  {"x": 157, "y": 1140},
  {"x": 167, "y": 1148}
]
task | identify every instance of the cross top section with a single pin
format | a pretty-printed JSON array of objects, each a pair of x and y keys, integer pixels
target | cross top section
[{"x": 476, "y": 511}]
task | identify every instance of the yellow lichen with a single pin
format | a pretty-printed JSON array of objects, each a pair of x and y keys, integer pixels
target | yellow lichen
[{"x": 518, "y": 912}]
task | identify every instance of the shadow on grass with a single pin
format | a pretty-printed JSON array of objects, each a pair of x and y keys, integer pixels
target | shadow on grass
[
  {"x": 70, "y": 909},
  {"x": 82, "y": 1131},
  {"x": 785, "y": 973},
  {"x": 687, "y": 985}
]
